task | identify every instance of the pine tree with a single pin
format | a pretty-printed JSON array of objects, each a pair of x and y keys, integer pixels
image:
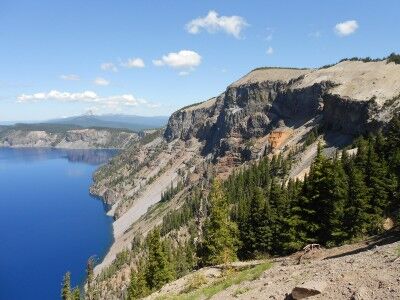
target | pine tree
[
  {"x": 137, "y": 286},
  {"x": 66, "y": 287},
  {"x": 264, "y": 230},
  {"x": 277, "y": 210},
  {"x": 379, "y": 187},
  {"x": 220, "y": 233},
  {"x": 338, "y": 195},
  {"x": 76, "y": 294},
  {"x": 293, "y": 235},
  {"x": 158, "y": 270},
  {"x": 256, "y": 236},
  {"x": 357, "y": 206},
  {"x": 89, "y": 279}
]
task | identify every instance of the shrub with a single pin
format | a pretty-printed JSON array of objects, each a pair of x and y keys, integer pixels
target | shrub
[
  {"x": 195, "y": 282},
  {"x": 394, "y": 58}
]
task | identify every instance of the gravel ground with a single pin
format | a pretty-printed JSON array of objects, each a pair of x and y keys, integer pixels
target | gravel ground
[{"x": 358, "y": 271}]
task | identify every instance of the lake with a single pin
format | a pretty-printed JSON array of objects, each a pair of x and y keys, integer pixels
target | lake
[{"x": 49, "y": 224}]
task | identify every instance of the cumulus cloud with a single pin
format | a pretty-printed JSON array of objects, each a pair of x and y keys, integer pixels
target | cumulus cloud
[
  {"x": 86, "y": 96},
  {"x": 133, "y": 63},
  {"x": 101, "y": 81},
  {"x": 270, "y": 50},
  {"x": 114, "y": 101},
  {"x": 232, "y": 25},
  {"x": 71, "y": 77},
  {"x": 346, "y": 28},
  {"x": 108, "y": 66},
  {"x": 184, "y": 59}
]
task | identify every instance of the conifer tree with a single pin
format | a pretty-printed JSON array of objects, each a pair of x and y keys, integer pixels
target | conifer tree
[
  {"x": 158, "y": 270},
  {"x": 66, "y": 287},
  {"x": 76, "y": 294},
  {"x": 89, "y": 279},
  {"x": 338, "y": 197},
  {"x": 357, "y": 206},
  {"x": 137, "y": 287},
  {"x": 256, "y": 236},
  {"x": 220, "y": 233}
]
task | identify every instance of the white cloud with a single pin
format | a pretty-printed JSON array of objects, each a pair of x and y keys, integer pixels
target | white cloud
[
  {"x": 86, "y": 96},
  {"x": 108, "y": 66},
  {"x": 133, "y": 63},
  {"x": 90, "y": 97},
  {"x": 346, "y": 28},
  {"x": 183, "y": 73},
  {"x": 184, "y": 59},
  {"x": 213, "y": 23},
  {"x": 270, "y": 50},
  {"x": 94, "y": 101},
  {"x": 72, "y": 77},
  {"x": 101, "y": 81}
]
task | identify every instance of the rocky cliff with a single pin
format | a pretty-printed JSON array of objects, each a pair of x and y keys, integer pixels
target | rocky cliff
[
  {"x": 70, "y": 139},
  {"x": 351, "y": 97},
  {"x": 270, "y": 110}
]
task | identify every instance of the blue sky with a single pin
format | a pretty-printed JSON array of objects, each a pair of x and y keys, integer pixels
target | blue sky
[{"x": 62, "y": 58}]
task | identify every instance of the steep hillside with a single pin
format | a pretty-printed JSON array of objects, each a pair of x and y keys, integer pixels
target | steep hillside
[{"x": 268, "y": 111}]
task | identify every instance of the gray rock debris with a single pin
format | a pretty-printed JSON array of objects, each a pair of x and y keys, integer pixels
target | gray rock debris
[{"x": 308, "y": 289}]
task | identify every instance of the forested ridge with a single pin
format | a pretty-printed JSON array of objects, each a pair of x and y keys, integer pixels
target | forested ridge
[{"x": 259, "y": 212}]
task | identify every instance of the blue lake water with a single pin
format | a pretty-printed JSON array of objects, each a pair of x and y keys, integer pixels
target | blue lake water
[{"x": 49, "y": 224}]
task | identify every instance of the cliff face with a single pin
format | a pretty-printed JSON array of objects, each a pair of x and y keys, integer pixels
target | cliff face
[
  {"x": 268, "y": 110},
  {"x": 350, "y": 98},
  {"x": 69, "y": 139}
]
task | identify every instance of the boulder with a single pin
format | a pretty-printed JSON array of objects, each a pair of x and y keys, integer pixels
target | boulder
[{"x": 308, "y": 289}]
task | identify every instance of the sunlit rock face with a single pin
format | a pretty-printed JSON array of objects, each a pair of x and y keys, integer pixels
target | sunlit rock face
[{"x": 352, "y": 97}]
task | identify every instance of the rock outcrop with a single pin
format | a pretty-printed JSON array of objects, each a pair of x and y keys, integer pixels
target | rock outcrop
[
  {"x": 352, "y": 97},
  {"x": 69, "y": 139}
]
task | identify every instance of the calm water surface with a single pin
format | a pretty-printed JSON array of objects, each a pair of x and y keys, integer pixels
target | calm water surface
[{"x": 49, "y": 224}]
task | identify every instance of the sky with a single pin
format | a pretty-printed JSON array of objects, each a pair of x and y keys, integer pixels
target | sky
[{"x": 71, "y": 57}]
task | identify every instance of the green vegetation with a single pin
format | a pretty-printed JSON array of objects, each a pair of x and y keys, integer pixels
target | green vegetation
[
  {"x": 157, "y": 269},
  {"x": 241, "y": 291},
  {"x": 394, "y": 58},
  {"x": 398, "y": 251},
  {"x": 162, "y": 263},
  {"x": 258, "y": 212},
  {"x": 342, "y": 199},
  {"x": 90, "y": 291},
  {"x": 177, "y": 218},
  {"x": 138, "y": 286},
  {"x": 220, "y": 233},
  {"x": 277, "y": 68},
  {"x": 231, "y": 278},
  {"x": 312, "y": 136},
  {"x": 66, "y": 292},
  {"x": 195, "y": 282},
  {"x": 66, "y": 287},
  {"x": 172, "y": 191}
]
